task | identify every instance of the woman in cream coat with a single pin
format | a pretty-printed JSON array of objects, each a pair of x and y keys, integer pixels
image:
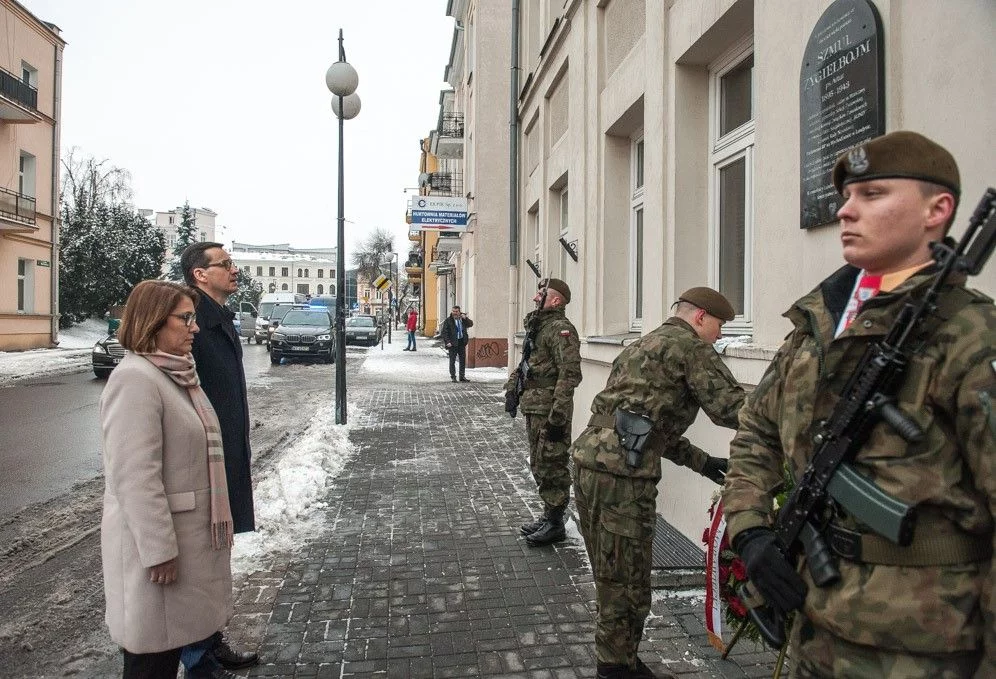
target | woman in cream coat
[{"x": 165, "y": 542}]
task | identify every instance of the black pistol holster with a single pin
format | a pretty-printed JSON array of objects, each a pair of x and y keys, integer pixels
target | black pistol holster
[{"x": 633, "y": 431}]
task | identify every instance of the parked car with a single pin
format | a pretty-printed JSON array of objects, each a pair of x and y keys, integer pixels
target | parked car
[
  {"x": 277, "y": 314},
  {"x": 303, "y": 333},
  {"x": 106, "y": 354},
  {"x": 363, "y": 330},
  {"x": 266, "y": 304}
]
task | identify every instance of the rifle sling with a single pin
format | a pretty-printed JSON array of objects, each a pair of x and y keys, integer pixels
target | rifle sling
[{"x": 929, "y": 548}]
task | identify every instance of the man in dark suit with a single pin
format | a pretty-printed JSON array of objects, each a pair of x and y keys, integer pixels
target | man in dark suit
[
  {"x": 454, "y": 334},
  {"x": 218, "y": 354}
]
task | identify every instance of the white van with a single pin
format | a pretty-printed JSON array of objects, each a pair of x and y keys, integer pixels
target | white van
[
  {"x": 266, "y": 303},
  {"x": 245, "y": 319}
]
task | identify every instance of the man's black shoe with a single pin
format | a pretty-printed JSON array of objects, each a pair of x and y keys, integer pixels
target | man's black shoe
[
  {"x": 452, "y": 379},
  {"x": 212, "y": 673},
  {"x": 231, "y": 659},
  {"x": 606, "y": 671},
  {"x": 464, "y": 379}
]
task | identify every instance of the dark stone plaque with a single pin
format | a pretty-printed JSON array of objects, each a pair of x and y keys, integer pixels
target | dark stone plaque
[{"x": 841, "y": 100}]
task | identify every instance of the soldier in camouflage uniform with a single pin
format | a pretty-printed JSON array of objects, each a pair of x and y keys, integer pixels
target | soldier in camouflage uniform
[
  {"x": 548, "y": 404},
  {"x": 926, "y": 610},
  {"x": 665, "y": 376}
]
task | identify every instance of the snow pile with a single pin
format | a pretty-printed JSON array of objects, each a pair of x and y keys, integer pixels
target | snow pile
[
  {"x": 18, "y": 365},
  {"x": 83, "y": 335},
  {"x": 723, "y": 342},
  {"x": 290, "y": 509},
  {"x": 73, "y": 354},
  {"x": 430, "y": 363}
]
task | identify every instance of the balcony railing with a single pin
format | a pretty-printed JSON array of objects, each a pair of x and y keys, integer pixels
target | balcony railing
[
  {"x": 451, "y": 125},
  {"x": 17, "y": 90},
  {"x": 16, "y": 206},
  {"x": 446, "y": 183}
]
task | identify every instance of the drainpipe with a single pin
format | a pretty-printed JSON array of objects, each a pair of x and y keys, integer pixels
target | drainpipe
[
  {"x": 513, "y": 189},
  {"x": 56, "y": 218}
]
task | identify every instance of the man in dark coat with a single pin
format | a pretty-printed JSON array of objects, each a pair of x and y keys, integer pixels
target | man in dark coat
[
  {"x": 217, "y": 352},
  {"x": 454, "y": 334}
]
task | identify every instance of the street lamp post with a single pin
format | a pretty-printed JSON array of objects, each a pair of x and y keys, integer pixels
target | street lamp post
[
  {"x": 341, "y": 79},
  {"x": 390, "y": 294}
]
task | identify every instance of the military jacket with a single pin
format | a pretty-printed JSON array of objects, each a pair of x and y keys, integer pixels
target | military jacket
[
  {"x": 948, "y": 476},
  {"x": 666, "y": 375},
  {"x": 554, "y": 367}
]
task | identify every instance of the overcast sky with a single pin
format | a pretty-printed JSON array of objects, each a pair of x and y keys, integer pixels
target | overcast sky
[{"x": 223, "y": 103}]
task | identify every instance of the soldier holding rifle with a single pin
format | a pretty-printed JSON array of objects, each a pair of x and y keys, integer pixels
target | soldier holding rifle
[
  {"x": 911, "y": 597},
  {"x": 543, "y": 387}
]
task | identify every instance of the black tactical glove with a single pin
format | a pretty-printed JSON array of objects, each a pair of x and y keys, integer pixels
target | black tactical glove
[
  {"x": 715, "y": 468},
  {"x": 511, "y": 402},
  {"x": 769, "y": 571},
  {"x": 555, "y": 433}
]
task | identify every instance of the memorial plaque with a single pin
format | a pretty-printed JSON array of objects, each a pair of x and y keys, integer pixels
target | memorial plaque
[{"x": 841, "y": 100}]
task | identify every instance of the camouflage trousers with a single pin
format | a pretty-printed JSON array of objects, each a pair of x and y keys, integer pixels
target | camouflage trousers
[
  {"x": 815, "y": 652},
  {"x": 616, "y": 515},
  {"x": 548, "y": 461}
]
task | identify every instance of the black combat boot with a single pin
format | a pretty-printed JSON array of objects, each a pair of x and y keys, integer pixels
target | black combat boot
[
  {"x": 643, "y": 672},
  {"x": 530, "y": 528},
  {"x": 551, "y": 531},
  {"x": 607, "y": 671}
]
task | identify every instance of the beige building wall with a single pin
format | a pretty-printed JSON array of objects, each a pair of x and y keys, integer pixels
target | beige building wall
[
  {"x": 480, "y": 78},
  {"x": 647, "y": 71},
  {"x": 29, "y": 229}
]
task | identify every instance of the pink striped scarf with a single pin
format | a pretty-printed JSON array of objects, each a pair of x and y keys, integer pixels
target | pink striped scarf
[{"x": 181, "y": 369}]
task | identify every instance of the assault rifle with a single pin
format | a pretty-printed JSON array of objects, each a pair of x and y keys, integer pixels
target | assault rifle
[
  {"x": 522, "y": 371},
  {"x": 868, "y": 398}
]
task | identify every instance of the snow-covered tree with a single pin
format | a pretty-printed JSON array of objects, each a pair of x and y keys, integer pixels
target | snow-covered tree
[
  {"x": 186, "y": 234},
  {"x": 105, "y": 251},
  {"x": 249, "y": 290},
  {"x": 88, "y": 182}
]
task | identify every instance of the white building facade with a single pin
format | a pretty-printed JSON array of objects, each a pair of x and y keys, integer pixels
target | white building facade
[
  {"x": 281, "y": 268},
  {"x": 660, "y": 140}
]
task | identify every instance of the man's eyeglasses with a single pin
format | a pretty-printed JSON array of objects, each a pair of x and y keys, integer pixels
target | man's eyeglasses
[
  {"x": 224, "y": 264},
  {"x": 188, "y": 318}
]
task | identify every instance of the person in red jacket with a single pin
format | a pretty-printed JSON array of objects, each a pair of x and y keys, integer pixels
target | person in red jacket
[{"x": 410, "y": 324}]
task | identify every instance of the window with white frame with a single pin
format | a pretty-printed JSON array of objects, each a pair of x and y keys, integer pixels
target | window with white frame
[
  {"x": 564, "y": 230},
  {"x": 537, "y": 233},
  {"x": 636, "y": 236},
  {"x": 25, "y": 287},
  {"x": 731, "y": 180},
  {"x": 26, "y": 175},
  {"x": 29, "y": 74}
]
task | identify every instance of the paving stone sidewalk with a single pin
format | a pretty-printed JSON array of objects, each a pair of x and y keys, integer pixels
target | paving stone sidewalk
[{"x": 421, "y": 571}]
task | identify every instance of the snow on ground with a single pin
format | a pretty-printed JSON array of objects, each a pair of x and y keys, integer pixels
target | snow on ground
[
  {"x": 288, "y": 499},
  {"x": 72, "y": 355},
  {"x": 422, "y": 364},
  {"x": 83, "y": 335}
]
